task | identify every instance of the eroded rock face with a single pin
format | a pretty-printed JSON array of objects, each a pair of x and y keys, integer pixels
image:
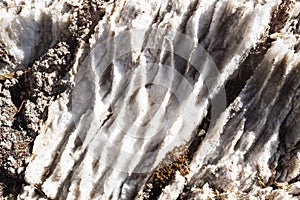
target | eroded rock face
[{"x": 150, "y": 100}]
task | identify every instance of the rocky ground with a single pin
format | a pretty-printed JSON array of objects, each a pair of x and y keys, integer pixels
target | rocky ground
[{"x": 87, "y": 117}]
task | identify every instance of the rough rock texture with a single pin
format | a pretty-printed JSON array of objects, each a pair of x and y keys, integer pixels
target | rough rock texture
[{"x": 150, "y": 100}]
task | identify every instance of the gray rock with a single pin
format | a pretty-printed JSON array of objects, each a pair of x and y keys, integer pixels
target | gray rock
[{"x": 150, "y": 100}]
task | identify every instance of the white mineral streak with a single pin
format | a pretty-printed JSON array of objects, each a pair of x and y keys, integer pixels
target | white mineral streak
[
  {"x": 29, "y": 28},
  {"x": 133, "y": 101},
  {"x": 231, "y": 162}
]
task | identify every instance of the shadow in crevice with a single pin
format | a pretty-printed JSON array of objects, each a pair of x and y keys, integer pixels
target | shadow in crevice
[{"x": 10, "y": 185}]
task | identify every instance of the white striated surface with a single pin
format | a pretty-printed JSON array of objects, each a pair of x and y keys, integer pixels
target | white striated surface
[
  {"x": 29, "y": 28},
  {"x": 144, "y": 87}
]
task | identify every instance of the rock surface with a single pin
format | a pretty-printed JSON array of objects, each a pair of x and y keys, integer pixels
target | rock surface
[{"x": 150, "y": 100}]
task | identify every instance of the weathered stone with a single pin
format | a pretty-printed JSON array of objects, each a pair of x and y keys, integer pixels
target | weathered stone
[{"x": 150, "y": 100}]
